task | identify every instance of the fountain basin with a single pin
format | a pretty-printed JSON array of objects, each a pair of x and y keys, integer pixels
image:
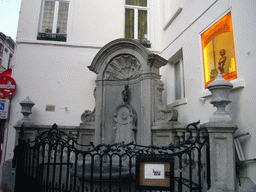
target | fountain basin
[{"x": 104, "y": 172}]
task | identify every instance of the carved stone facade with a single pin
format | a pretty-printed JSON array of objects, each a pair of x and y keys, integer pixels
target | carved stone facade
[
  {"x": 125, "y": 123},
  {"x": 133, "y": 113},
  {"x": 163, "y": 113},
  {"x": 120, "y": 116},
  {"x": 165, "y": 118},
  {"x": 88, "y": 117},
  {"x": 123, "y": 67}
]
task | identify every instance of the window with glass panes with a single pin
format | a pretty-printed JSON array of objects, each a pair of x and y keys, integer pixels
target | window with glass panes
[
  {"x": 54, "y": 17},
  {"x": 136, "y": 19},
  {"x": 219, "y": 50},
  {"x": 179, "y": 89}
]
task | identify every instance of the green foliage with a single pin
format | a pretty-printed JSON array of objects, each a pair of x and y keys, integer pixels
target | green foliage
[{"x": 52, "y": 37}]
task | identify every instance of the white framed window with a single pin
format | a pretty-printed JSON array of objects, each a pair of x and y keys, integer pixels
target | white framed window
[
  {"x": 179, "y": 89},
  {"x": 54, "y": 20},
  {"x": 176, "y": 80},
  {"x": 219, "y": 51},
  {"x": 136, "y": 19}
]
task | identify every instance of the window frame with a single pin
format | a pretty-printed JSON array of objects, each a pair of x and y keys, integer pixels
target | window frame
[
  {"x": 136, "y": 9},
  {"x": 173, "y": 102},
  {"x": 9, "y": 60},
  {"x": 181, "y": 79},
  {"x": 54, "y": 35},
  {"x": 219, "y": 29}
]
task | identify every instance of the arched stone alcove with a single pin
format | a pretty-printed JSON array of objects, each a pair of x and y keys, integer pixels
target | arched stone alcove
[{"x": 126, "y": 62}]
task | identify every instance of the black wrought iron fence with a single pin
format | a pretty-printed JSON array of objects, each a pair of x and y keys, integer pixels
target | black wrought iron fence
[{"x": 54, "y": 161}]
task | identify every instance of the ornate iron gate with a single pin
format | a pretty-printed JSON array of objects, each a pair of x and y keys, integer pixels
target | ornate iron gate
[{"x": 54, "y": 161}]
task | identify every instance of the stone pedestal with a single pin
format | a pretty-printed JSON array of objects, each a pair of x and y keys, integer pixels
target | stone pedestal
[
  {"x": 221, "y": 138},
  {"x": 163, "y": 133},
  {"x": 222, "y": 156}
]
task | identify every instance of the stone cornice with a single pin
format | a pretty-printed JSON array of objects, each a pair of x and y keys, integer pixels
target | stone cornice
[
  {"x": 124, "y": 43},
  {"x": 130, "y": 81}
]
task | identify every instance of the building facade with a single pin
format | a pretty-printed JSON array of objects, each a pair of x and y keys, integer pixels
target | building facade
[
  {"x": 7, "y": 47},
  {"x": 58, "y": 40},
  {"x": 184, "y": 44}
]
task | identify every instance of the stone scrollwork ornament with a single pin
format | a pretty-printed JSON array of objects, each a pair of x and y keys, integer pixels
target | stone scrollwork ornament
[
  {"x": 88, "y": 115},
  {"x": 163, "y": 113}
]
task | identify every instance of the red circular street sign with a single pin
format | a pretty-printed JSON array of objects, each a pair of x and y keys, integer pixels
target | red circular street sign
[{"x": 7, "y": 86}]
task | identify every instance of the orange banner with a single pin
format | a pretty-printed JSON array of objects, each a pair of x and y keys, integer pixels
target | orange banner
[{"x": 222, "y": 26}]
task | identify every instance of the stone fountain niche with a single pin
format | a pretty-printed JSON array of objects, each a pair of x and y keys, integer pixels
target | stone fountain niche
[{"x": 128, "y": 95}]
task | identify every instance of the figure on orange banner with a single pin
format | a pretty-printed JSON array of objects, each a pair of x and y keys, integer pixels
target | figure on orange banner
[{"x": 222, "y": 60}]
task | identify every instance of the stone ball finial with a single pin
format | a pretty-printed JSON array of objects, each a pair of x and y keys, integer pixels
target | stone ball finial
[{"x": 220, "y": 89}]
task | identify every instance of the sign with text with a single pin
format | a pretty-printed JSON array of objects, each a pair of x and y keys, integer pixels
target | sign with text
[
  {"x": 155, "y": 173},
  {"x": 7, "y": 86},
  {"x": 4, "y": 108},
  {"x": 218, "y": 50}
]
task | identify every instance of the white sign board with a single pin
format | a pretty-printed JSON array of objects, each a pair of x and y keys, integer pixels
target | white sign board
[
  {"x": 154, "y": 171},
  {"x": 4, "y": 108}
]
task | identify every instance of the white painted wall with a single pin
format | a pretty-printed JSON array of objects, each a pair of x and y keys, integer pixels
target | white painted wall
[
  {"x": 185, "y": 32},
  {"x": 93, "y": 23},
  {"x": 52, "y": 75}
]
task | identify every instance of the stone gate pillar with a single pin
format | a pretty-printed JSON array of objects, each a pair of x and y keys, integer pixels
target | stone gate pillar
[
  {"x": 222, "y": 156},
  {"x": 221, "y": 138}
]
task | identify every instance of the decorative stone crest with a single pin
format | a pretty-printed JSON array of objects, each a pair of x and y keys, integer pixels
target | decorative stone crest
[
  {"x": 125, "y": 123},
  {"x": 122, "y": 67}
]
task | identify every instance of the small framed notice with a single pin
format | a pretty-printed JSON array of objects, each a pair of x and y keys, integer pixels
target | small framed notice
[{"x": 155, "y": 173}]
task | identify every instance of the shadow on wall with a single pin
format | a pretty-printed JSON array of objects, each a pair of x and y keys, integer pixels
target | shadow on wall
[{"x": 234, "y": 108}]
